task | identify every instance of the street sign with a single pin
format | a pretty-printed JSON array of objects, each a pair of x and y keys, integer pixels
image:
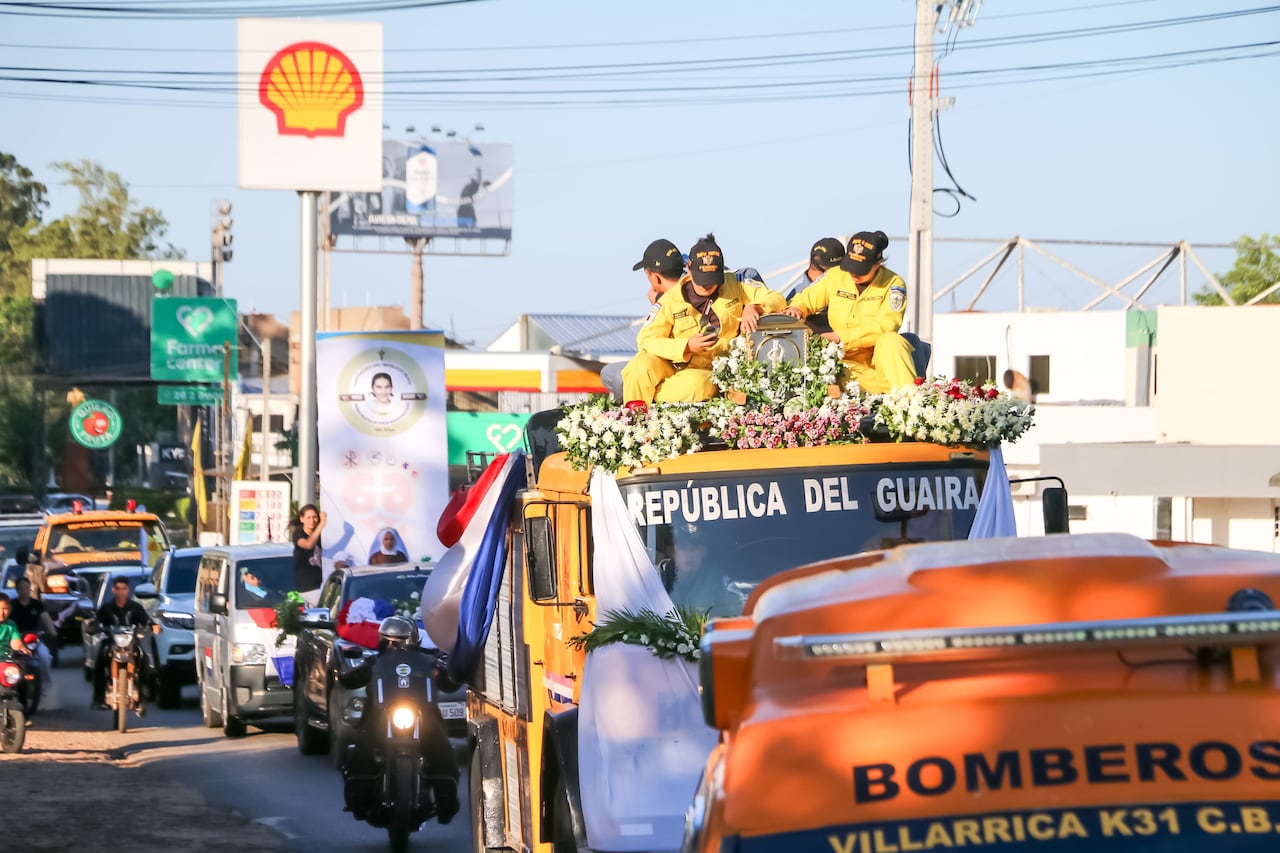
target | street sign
[
  {"x": 488, "y": 432},
  {"x": 259, "y": 512},
  {"x": 188, "y": 336},
  {"x": 188, "y": 395},
  {"x": 95, "y": 424}
]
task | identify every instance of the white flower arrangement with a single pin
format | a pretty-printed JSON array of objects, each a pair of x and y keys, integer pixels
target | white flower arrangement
[
  {"x": 789, "y": 406},
  {"x": 953, "y": 412},
  {"x": 780, "y": 385}
]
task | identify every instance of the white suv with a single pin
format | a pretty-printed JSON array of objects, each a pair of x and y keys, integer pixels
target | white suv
[{"x": 170, "y": 599}]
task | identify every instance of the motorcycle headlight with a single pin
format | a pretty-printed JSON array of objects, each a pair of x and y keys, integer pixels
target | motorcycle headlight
[
  {"x": 10, "y": 674},
  {"x": 249, "y": 653},
  {"x": 403, "y": 718},
  {"x": 122, "y": 639}
]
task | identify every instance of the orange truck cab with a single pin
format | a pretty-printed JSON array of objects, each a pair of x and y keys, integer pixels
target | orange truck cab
[
  {"x": 89, "y": 542},
  {"x": 1088, "y": 692}
]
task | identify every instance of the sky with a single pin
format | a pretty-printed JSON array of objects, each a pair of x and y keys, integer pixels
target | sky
[{"x": 1081, "y": 121}]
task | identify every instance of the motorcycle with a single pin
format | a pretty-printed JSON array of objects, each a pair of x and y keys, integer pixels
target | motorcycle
[
  {"x": 394, "y": 786},
  {"x": 19, "y": 691},
  {"x": 32, "y": 688},
  {"x": 123, "y": 695}
]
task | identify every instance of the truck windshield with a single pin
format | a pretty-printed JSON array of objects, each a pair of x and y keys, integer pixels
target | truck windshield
[
  {"x": 714, "y": 538},
  {"x": 107, "y": 535}
]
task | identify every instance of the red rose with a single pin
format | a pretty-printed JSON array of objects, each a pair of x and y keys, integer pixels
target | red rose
[
  {"x": 637, "y": 407},
  {"x": 919, "y": 380}
]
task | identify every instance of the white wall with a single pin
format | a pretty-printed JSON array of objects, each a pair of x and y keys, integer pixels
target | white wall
[
  {"x": 1237, "y": 522},
  {"x": 1215, "y": 361},
  {"x": 1086, "y": 349},
  {"x": 1116, "y": 514}
]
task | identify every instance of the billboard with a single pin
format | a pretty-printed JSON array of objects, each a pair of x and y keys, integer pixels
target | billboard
[
  {"x": 189, "y": 337},
  {"x": 383, "y": 440},
  {"x": 432, "y": 189},
  {"x": 310, "y": 104}
]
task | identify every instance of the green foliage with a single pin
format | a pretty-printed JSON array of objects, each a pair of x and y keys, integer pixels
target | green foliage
[
  {"x": 289, "y": 617},
  {"x": 677, "y": 634},
  {"x": 22, "y": 204},
  {"x": 1257, "y": 267}
]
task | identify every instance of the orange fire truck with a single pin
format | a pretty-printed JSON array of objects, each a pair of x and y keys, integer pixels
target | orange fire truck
[{"x": 1086, "y": 692}]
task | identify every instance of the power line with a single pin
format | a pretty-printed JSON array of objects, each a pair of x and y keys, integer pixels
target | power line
[{"x": 213, "y": 12}]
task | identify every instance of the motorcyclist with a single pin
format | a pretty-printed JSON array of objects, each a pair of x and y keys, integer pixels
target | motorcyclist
[
  {"x": 398, "y": 641},
  {"x": 30, "y": 616},
  {"x": 10, "y": 637},
  {"x": 121, "y": 610}
]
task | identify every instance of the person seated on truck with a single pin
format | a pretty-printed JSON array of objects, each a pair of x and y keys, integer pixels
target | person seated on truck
[
  {"x": 825, "y": 254},
  {"x": 663, "y": 265},
  {"x": 694, "y": 324},
  {"x": 865, "y": 303}
]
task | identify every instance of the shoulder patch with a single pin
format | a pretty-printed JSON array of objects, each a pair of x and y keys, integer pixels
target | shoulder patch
[{"x": 897, "y": 298}]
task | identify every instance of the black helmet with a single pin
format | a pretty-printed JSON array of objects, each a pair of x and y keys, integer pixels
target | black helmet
[{"x": 399, "y": 632}]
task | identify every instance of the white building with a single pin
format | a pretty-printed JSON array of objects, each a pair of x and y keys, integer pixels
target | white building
[{"x": 1161, "y": 423}]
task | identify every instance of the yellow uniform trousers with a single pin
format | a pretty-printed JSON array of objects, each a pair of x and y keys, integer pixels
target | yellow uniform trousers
[
  {"x": 880, "y": 369},
  {"x": 655, "y": 380}
]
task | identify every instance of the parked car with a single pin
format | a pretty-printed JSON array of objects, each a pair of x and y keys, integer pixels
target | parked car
[
  {"x": 244, "y": 675},
  {"x": 60, "y": 502},
  {"x": 90, "y": 641},
  {"x": 169, "y": 597},
  {"x": 325, "y": 712},
  {"x": 19, "y": 505}
]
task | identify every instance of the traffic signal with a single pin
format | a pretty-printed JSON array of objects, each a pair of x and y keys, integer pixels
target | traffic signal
[{"x": 222, "y": 232}]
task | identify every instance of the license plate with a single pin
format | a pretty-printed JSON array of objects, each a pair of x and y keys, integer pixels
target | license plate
[{"x": 453, "y": 710}]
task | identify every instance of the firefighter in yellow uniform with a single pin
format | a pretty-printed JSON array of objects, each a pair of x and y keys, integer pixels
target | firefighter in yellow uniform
[
  {"x": 865, "y": 304},
  {"x": 695, "y": 322}
]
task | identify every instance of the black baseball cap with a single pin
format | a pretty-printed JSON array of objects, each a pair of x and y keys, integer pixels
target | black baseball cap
[
  {"x": 662, "y": 257},
  {"x": 826, "y": 253},
  {"x": 706, "y": 263},
  {"x": 866, "y": 248}
]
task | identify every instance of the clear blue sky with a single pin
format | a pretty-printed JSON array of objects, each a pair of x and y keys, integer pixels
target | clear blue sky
[{"x": 1180, "y": 153}]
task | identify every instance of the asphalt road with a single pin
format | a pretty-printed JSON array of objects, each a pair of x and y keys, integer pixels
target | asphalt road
[{"x": 262, "y": 775}]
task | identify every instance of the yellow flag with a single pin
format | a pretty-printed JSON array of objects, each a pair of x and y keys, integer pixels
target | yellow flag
[
  {"x": 246, "y": 450},
  {"x": 197, "y": 474}
]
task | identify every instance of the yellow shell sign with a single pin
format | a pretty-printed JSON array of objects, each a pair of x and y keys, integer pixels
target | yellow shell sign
[{"x": 311, "y": 87}]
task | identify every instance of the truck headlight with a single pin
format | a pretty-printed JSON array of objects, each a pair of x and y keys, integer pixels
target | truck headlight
[
  {"x": 248, "y": 653},
  {"x": 403, "y": 718}
]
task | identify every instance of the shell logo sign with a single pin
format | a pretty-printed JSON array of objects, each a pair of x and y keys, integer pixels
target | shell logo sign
[
  {"x": 311, "y": 87},
  {"x": 309, "y": 104}
]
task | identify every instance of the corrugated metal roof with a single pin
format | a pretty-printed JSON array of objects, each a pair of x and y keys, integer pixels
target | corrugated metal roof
[{"x": 585, "y": 335}]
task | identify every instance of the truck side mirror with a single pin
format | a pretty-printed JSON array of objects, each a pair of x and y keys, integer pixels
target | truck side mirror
[
  {"x": 539, "y": 556},
  {"x": 145, "y": 591},
  {"x": 1053, "y": 503},
  {"x": 218, "y": 604}
]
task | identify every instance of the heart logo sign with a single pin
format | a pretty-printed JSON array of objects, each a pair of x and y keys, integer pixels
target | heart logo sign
[
  {"x": 195, "y": 319},
  {"x": 504, "y": 437}
]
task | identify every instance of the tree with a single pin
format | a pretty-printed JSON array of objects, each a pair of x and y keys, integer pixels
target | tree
[
  {"x": 22, "y": 204},
  {"x": 1257, "y": 267}
]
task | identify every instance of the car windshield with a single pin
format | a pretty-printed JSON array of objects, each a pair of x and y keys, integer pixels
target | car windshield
[
  {"x": 395, "y": 592},
  {"x": 713, "y": 539},
  {"x": 13, "y": 537},
  {"x": 182, "y": 574},
  {"x": 263, "y": 582},
  {"x": 125, "y": 534}
]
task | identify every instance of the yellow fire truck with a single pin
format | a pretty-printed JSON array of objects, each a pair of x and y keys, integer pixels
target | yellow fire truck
[{"x": 743, "y": 514}]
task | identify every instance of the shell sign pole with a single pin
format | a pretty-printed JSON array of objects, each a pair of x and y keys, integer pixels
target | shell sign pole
[{"x": 310, "y": 116}]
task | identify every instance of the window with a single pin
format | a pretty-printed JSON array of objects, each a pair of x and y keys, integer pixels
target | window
[
  {"x": 276, "y": 423},
  {"x": 978, "y": 369},
  {"x": 1039, "y": 374},
  {"x": 1164, "y": 518},
  {"x": 1077, "y": 512}
]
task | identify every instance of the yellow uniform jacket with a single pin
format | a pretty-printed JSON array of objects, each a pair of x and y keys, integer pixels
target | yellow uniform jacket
[
  {"x": 858, "y": 318},
  {"x": 667, "y": 334}
]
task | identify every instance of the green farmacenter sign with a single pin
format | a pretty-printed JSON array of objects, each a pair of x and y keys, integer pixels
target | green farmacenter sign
[
  {"x": 188, "y": 337},
  {"x": 95, "y": 424}
]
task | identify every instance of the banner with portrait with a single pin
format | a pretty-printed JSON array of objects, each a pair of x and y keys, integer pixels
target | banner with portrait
[{"x": 383, "y": 441}]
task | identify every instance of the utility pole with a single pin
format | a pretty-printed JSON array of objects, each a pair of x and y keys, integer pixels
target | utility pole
[
  {"x": 224, "y": 448},
  {"x": 415, "y": 281},
  {"x": 308, "y": 447},
  {"x": 264, "y": 467},
  {"x": 924, "y": 103}
]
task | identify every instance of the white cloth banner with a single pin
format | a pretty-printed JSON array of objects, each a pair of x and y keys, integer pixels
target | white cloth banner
[
  {"x": 642, "y": 742},
  {"x": 383, "y": 440}
]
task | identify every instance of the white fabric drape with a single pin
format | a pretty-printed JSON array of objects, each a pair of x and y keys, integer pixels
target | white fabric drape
[
  {"x": 642, "y": 742},
  {"x": 995, "y": 515}
]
